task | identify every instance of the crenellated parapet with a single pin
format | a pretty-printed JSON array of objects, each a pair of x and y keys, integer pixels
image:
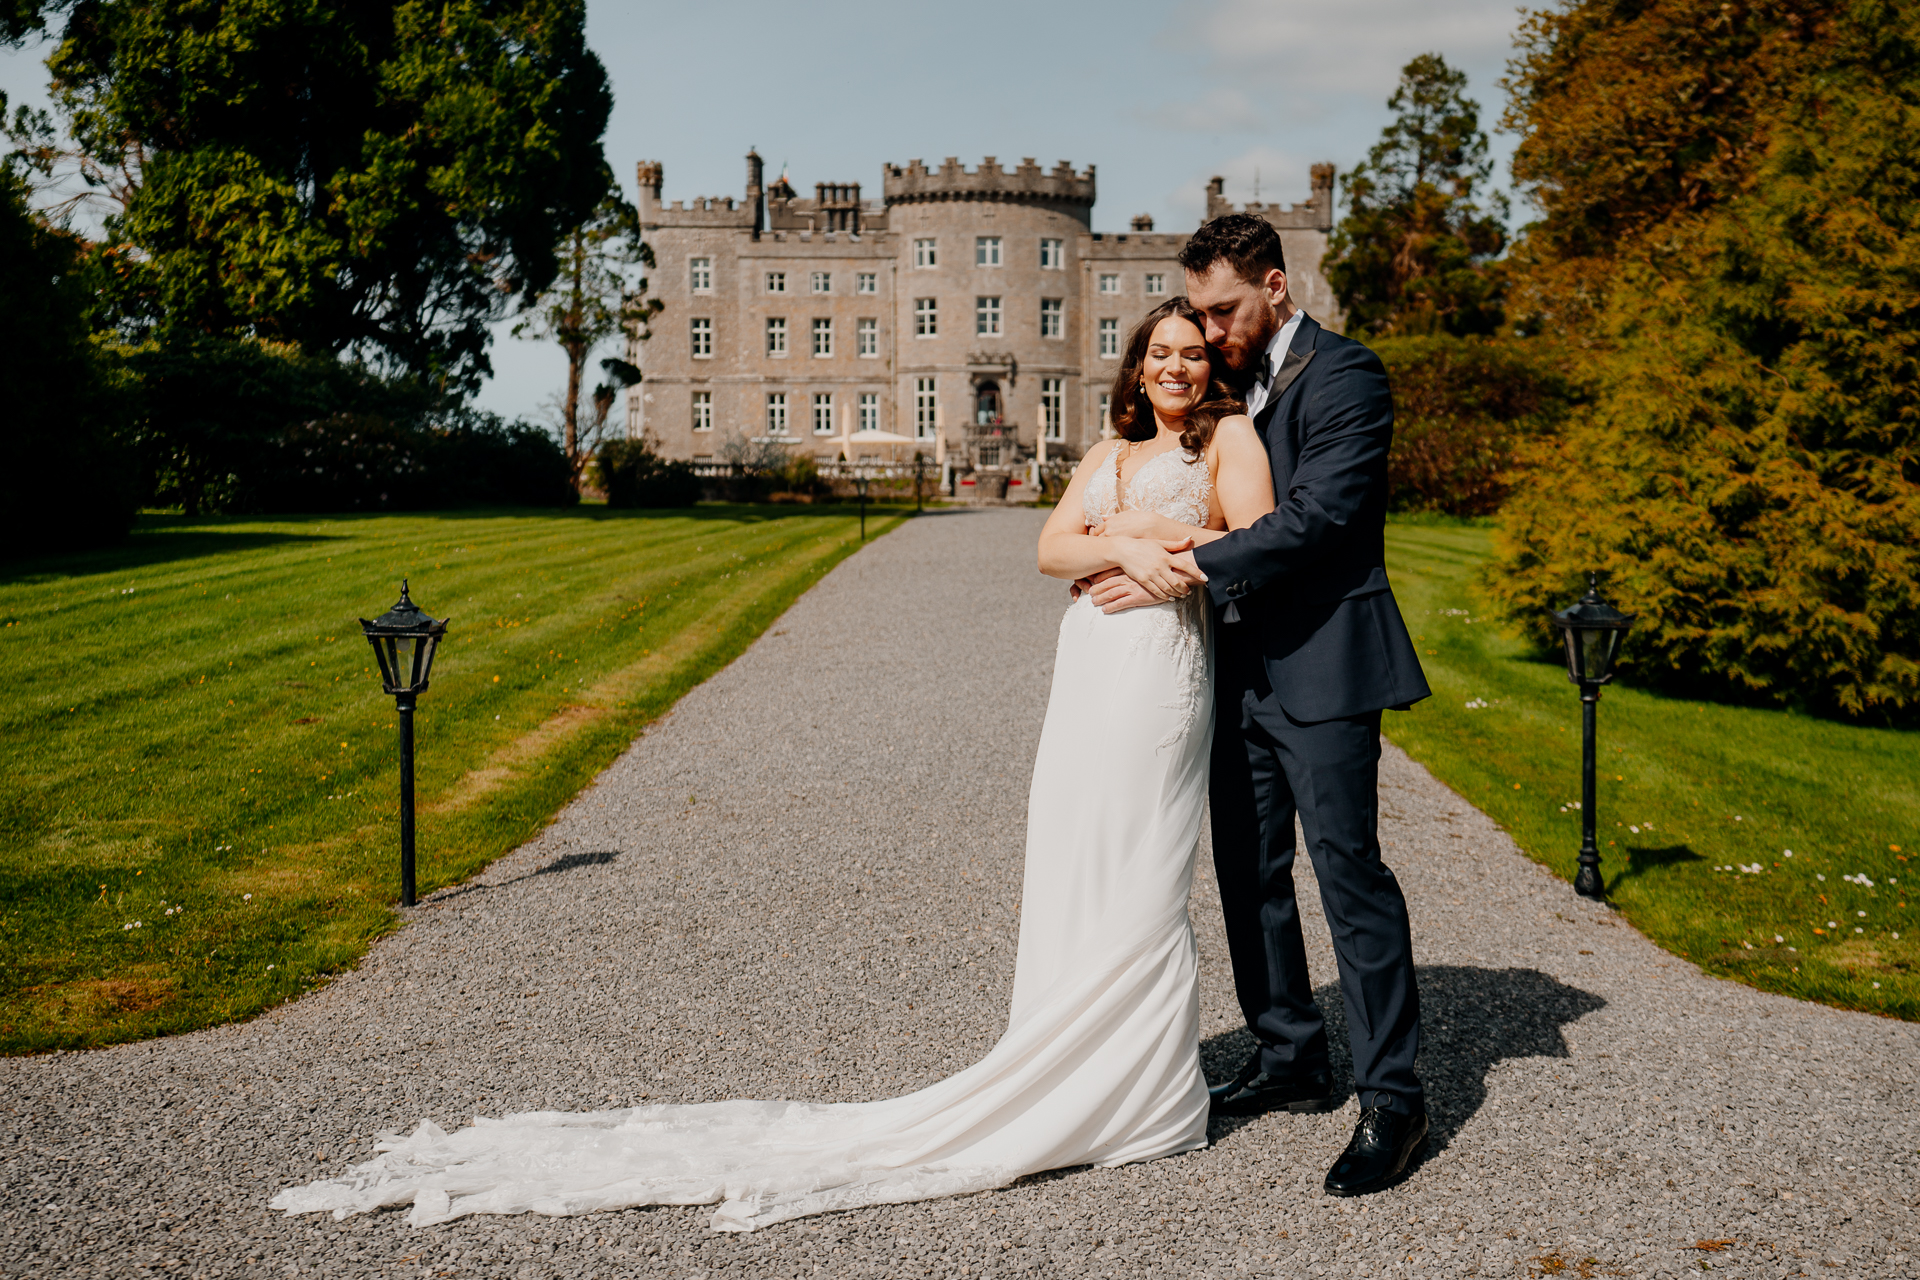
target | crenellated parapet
[
  {"x": 1058, "y": 188},
  {"x": 1315, "y": 214}
]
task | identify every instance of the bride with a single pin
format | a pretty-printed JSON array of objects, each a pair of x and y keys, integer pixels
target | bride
[{"x": 1100, "y": 1061}]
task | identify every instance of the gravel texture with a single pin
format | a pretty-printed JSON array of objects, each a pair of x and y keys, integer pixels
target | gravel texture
[{"x": 804, "y": 884}]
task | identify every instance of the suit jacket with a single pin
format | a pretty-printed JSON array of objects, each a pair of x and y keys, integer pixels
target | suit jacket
[{"x": 1320, "y": 636}]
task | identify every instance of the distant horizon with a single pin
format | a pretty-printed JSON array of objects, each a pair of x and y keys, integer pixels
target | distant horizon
[{"x": 1157, "y": 99}]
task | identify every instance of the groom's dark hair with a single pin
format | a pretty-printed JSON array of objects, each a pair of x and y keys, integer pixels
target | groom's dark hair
[{"x": 1244, "y": 242}]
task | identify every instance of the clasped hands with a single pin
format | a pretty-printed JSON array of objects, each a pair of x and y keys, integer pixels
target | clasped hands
[{"x": 1153, "y": 568}]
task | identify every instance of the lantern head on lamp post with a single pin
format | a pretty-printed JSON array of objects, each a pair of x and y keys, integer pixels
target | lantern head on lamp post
[
  {"x": 1592, "y": 630},
  {"x": 404, "y": 640},
  {"x": 860, "y": 481}
]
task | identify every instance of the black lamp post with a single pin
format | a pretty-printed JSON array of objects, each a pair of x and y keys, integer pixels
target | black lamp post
[
  {"x": 860, "y": 487},
  {"x": 1592, "y": 629},
  {"x": 404, "y": 639}
]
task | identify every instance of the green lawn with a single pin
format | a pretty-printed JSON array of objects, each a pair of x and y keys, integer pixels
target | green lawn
[
  {"x": 1689, "y": 793},
  {"x": 198, "y": 815}
]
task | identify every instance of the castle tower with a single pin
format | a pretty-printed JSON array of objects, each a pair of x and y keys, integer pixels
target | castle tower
[
  {"x": 989, "y": 304},
  {"x": 1303, "y": 229}
]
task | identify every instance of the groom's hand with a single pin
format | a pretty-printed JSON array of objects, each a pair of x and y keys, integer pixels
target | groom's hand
[
  {"x": 1114, "y": 592},
  {"x": 1088, "y": 583}
]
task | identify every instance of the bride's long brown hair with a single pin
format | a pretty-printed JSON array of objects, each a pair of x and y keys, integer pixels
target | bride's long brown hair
[{"x": 1132, "y": 412}]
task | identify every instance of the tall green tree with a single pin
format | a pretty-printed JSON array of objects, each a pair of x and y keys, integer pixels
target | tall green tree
[
  {"x": 1749, "y": 470},
  {"x": 1415, "y": 252},
  {"x": 364, "y": 178},
  {"x": 66, "y": 483},
  {"x": 598, "y": 295}
]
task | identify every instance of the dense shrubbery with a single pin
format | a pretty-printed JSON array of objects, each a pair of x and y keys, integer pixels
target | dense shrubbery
[
  {"x": 1463, "y": 407},
  {"x": 221, "y": 426},
  {"x": 63, "y": 485},
  {"x": 632, "y": 475},
  {"x": 1746, "y": 283}
]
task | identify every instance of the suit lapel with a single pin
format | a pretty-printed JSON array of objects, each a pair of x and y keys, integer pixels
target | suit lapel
[{"x": 1298, "y": 353}]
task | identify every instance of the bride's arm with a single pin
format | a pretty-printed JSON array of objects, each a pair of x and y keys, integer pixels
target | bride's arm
[
  {"x": 1242, "y": 486},
  {"x": 1068, "y": 550}
]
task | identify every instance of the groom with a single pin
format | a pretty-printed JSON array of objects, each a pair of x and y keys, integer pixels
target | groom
[{"x": 1311, "y": 649}]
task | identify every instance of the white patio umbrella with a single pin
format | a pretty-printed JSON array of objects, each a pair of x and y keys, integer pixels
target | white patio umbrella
[{"x": 872, "y": 437}]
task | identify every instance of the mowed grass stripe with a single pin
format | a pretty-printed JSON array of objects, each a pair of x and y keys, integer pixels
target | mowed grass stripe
[
  {"x": 1685, "y": 788},
  {"x": 217, "y": 731}
]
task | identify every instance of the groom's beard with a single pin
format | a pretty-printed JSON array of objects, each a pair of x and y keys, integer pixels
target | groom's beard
[{"x": 1244, "y": 361}]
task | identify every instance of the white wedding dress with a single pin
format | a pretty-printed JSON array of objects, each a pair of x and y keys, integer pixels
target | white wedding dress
[{"x": 1100, "y": 1061}]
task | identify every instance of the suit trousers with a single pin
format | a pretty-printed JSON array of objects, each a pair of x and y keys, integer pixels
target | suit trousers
[{"x": 1268, "y": 767}]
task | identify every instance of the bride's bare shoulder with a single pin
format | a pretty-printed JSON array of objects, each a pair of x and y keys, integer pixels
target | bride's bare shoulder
[
  {"x": 1234, "y": 436},
  {"x": 1097, "y": 453}
]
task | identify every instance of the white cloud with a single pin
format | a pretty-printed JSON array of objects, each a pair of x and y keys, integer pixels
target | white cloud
[{"x": 1356, "y": 45}]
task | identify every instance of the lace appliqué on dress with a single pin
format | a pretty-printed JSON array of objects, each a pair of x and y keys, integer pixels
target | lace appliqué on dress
[{"x": 1174, "y": 484}]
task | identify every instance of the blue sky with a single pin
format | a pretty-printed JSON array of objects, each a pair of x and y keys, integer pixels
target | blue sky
[{"x": 1160, "y": 96}]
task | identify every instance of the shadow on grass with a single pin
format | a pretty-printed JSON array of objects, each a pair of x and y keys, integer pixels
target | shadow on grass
[
  {"x": 145, "y": 548},
  {"x": 1641, "y": 860},
  {"x": 159, "y": 539},
  {"x": 1471, "y": 1020}
]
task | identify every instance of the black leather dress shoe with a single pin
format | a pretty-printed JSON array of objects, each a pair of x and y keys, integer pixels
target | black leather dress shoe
[
  {"x": 1384, "y": 1142},
  {"x": 1254, "y": 1091}
]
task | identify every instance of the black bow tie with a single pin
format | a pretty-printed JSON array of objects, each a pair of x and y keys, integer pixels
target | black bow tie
[{"x": 1263, "y": 376}]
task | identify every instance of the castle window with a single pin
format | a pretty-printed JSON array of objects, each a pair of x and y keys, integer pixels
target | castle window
[
  {"x": 866, "y": 282},
  {"x": 700, "y": 274},
  {"x": 986, "y": 251},
  {"x": 821, "y": 282},
  {"x": 777, "y": 413},
  {"x": 867, "y": 332},
  {"x": 1052, "y": 318},
  {"x": 1053, "y": 402},
  {"x": 986, "y": 317},
  {"x": 703, "y": 411},
  {"x": 1109, "y": 284},
  {"x": 822, "y": 413},
  {"x": 925, "y": 409},
  {"x": 1106, "y": 415},
  {"x": 1110, "y": 338},
  {"x": 776, "y": 335},
  {"x": 1156, "y": 285},
  {"x": 1053, "y": 255},
  {"x": 923, "y": 254},
  {"x": 926, "y": 318},
  {"x": 702, "y": 339},
  {"x": 869, "y": 411},
  {"x": 776, "y": 282},
  {"x": 823, "y": 336}
]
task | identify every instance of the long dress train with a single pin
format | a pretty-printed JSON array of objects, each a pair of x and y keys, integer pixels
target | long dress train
[{"x": 1100, "y": 1060}]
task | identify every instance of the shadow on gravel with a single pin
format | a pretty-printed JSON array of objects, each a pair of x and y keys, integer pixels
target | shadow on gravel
[
  {"x": 565, "y": 862},
  {"x": 1470, "y": 1020}
]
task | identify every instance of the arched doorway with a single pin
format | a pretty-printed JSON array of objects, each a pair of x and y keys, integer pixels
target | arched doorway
[{"x": 986, "y": 403}]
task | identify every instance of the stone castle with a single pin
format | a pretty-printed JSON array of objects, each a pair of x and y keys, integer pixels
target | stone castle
[{"x": 976, "y": 313}]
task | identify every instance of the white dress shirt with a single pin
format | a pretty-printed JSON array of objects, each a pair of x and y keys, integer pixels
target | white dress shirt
[{"x": 1276, "y": 353}]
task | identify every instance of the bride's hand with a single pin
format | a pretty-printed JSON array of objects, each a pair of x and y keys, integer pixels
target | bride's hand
[
  {"x": 1149, "y": 562},
  {"x": 1140, "y": 524}
]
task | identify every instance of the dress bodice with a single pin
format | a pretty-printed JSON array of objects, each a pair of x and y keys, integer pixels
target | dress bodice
[{"x": 1174, "y": 484}]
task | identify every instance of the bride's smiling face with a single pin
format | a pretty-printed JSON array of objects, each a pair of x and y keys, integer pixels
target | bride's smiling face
[{"x": 1175, "y": 368}]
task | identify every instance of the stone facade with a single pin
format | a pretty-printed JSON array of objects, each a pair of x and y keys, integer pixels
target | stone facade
[{"x": 976, "y": 311}]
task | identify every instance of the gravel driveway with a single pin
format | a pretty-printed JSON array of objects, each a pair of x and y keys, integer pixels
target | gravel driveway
[{"x": 804, "y": 883}]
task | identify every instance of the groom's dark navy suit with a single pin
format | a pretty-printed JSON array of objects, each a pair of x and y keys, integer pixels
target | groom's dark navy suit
[{"x": 1318, "y": 651}]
